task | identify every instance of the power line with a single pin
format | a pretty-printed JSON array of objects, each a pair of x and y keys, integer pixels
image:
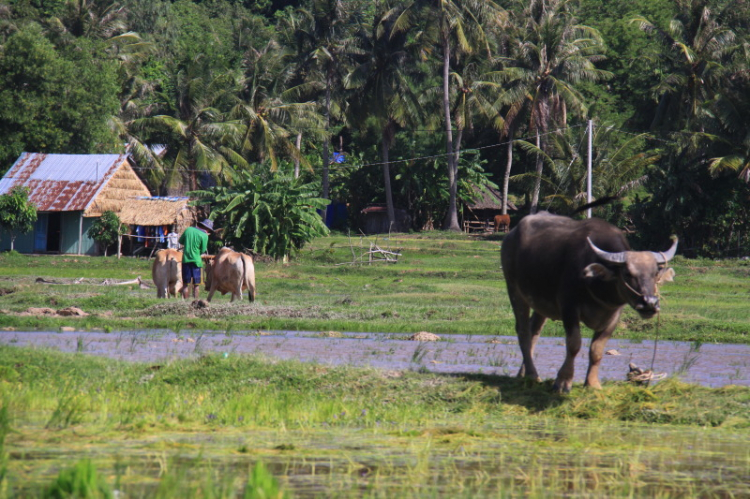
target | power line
[{"x": 443, "y": 155}]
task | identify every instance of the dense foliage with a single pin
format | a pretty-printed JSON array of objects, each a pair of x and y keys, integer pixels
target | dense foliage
[{"x": 401, "y": 91}]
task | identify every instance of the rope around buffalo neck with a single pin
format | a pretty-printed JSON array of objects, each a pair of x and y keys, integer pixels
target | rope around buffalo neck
[
  {"x": 656, "y": 339},
  {"x": 656, "y": 342}
]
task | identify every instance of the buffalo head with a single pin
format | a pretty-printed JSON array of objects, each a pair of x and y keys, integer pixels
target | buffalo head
[{"x": 637, "y": 275}]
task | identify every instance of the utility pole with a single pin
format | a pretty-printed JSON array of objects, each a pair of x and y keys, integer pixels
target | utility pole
[{"x": 590, "y": 133}]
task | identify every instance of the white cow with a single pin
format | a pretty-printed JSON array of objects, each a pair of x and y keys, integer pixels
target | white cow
[{"x": 166, "y": 272}]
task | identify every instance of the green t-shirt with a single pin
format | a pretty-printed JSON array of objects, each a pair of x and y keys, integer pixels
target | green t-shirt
[{"x": 195, "y": 243}]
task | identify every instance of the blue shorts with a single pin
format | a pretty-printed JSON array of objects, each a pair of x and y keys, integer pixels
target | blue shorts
[{"x": 190, "y": 273}]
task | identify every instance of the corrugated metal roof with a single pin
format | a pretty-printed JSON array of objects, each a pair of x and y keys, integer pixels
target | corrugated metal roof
[{"x": 61, "y": 182}]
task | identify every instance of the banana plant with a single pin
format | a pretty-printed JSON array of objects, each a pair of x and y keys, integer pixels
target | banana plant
[{"x": 270, "y": 213}]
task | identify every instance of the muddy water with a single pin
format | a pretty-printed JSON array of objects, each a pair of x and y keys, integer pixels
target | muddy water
[{"x": 707, "y": 364}]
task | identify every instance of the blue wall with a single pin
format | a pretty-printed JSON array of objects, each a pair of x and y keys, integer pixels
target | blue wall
[{"x": 69, "y": 227}]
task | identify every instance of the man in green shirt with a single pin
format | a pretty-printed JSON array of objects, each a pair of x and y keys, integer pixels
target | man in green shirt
[{"x": 195, "y": 243}]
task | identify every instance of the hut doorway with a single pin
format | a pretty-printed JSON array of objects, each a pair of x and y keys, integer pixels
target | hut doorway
[{"x": 47, "y": 232}]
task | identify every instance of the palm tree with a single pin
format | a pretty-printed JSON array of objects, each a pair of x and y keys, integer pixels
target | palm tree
[
  {"x": 196, "y": 135},
  {"x": 732, "y": 111},
  {"x": 552, "y": 54},
  {"x": 267, "y": 116},
  {"x": 324, "y": 41},
  {"x": 695, "y": 51},
  {"x": 618, "y": 166},
  {"x": 384, "y": 93},
  {"x": 92, "y": 19},
  {"x": 446, "y": 22}
]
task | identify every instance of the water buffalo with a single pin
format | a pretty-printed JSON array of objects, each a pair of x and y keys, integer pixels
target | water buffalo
[
  {"x": 230, "y": 272},
  {"x": 577, "y": 271},
  {"x": 166, "y": 271}
]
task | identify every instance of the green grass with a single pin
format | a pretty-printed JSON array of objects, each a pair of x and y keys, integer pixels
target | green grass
[
  {"x": 198, "y": 428},
  {"x": 443, "y": 283}
]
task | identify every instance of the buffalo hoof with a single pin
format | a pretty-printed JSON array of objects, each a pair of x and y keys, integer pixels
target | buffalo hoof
[
  {"x": 522, "y": 373},
  {"x": 562, "y": 386}
]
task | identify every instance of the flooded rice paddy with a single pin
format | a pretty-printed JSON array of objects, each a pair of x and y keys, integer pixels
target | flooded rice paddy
[
  {"x": 712, "y": 365},
  {"x": 544, "y": 459}
]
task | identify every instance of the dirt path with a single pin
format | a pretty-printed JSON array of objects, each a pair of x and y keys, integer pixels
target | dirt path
[{"x": 708, "y": 365}]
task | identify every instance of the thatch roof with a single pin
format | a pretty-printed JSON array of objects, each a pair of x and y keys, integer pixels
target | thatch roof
[
  {"x": 123, "y": 186},
  {"x": 488, "y": 198},
  {"x": 159, "y": 211}
]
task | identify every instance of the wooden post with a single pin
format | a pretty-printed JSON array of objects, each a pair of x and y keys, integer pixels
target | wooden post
[{"x": 80, "y": 232}]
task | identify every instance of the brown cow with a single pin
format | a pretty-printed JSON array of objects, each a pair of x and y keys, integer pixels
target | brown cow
[
  {"x": 230, "y": 272},
  {"x": 166, "y": 271},
  {"x": 502, "y": 221}
]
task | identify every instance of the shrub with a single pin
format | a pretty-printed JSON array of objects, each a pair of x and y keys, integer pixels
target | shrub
[{"x": 106, "y": 230}]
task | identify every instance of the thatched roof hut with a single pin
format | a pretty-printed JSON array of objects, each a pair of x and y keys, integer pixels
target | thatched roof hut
[
  {"x": 117, "y": 193},
  {"x": 70, "y": 191},
  {"x": 159, "y": 211},
  {"x": 489, "y": 199},
  {"x": 479, "y": 214}
]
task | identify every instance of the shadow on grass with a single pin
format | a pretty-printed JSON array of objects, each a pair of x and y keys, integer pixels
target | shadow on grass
[
  {"x": 533, "y": 395},
  {"x": 496, "y": 236}
]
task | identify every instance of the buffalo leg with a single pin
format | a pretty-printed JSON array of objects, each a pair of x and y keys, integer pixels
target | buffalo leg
[
  {"x": 535, "y": 327},
  {"x": 596, "y": 351},
  {"x": 521, "y": 313},
  {"x": 527, "y": 330},
  {"x": 564, "y": 381}
]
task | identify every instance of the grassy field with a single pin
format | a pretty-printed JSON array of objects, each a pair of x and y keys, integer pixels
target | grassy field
[
  {"x": 199, "y": 428},
  {"x": 443, "y": 283},
  {"x": 73, "y": 425}
]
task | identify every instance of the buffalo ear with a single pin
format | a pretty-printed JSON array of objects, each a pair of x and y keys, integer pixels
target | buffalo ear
[
  {"x": 598, "y": 271},
  {"x": 665, "y": 275}
]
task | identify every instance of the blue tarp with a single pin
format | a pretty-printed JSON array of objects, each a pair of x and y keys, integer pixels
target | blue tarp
[{"x": 336, "y": 215}]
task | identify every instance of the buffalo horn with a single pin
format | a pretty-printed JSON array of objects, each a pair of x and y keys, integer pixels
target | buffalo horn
[
  {"x": 663, "y": 258},
  {"x": 618, "y": 258}
]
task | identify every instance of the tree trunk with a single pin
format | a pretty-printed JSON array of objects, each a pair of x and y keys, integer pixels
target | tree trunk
[
  {"x": 13, "y": 242},
  {"x": 325, "y": 186},
  {"x": 387, "y": 180},
  {"x": 538, "y": 180},
  {"x": 298, "y": 143},
  {"x": 193, "y": 179},
  {"x": 457, "y": 151},
  {"x": 506, "y": 177},
  {"x": 451, "y": 218}
]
